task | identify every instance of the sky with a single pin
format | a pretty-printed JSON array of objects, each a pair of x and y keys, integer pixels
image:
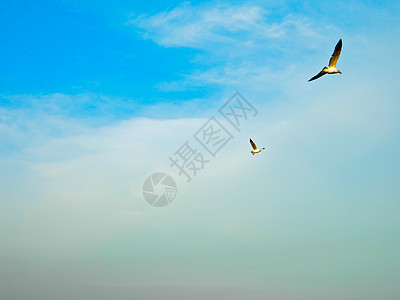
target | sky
[{"x": 95, "y": 96}]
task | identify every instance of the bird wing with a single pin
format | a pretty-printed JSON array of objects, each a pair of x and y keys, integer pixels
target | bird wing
[
  {"x": 322, "y": 73},
  {"x": 335, "y": 55},
  {"x": 253, "y": 145}
]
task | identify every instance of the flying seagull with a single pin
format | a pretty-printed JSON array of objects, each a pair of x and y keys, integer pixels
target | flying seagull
[
  {"x": 255, "y": 149},
  {"x": 332, "y": 63}
]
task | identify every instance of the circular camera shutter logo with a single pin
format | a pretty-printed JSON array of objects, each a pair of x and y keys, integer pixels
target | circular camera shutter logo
[{"x": 159, "y": 189}]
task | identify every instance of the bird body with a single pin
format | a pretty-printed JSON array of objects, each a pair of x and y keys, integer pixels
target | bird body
[
  {"x": 331, "y": 69},
  {"x": 255, "y": 149}
]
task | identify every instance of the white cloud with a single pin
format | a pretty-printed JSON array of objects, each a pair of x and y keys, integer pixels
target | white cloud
[
  {"x": 203, "y": 26},
  {"x": 76, "y": 199},
  {"x": 240, "y": 44},
  {"x": 252, "y": 44}
]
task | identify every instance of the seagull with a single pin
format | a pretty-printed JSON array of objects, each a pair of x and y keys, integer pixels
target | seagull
[
  {"x": 255, "y": 149},
  {"x": 332, "y": 63}
]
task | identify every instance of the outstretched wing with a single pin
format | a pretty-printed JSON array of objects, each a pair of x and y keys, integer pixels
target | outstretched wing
[
  {"x": 253, "y": 145},
  {"x": 322, "y": 73},
  {"x": 335, "y": 55}
]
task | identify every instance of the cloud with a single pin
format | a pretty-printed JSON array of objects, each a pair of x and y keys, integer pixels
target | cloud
[
  {"x": 203, "y": 26},
  {"x": 248, "y": 45},
  {"x": 27, "y": 119},
  {"x": 74, "y": 212},
  {"x": 78, "y": 202},
  {"x": 238, "y": 44}
]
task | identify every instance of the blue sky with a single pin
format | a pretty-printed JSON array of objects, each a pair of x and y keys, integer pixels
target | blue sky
[
  {"x": 96, "y": 95},
  {"x": 72, "y": 47},
  {"x": 67, "y": 47}
]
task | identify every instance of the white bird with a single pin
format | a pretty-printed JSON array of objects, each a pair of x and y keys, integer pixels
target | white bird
[
  {"x": 332, "y": 63},
  {"x": 255, "y": 149}
]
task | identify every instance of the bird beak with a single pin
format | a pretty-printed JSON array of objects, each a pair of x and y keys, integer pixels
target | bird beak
[{"x": 340, "y": 72}]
